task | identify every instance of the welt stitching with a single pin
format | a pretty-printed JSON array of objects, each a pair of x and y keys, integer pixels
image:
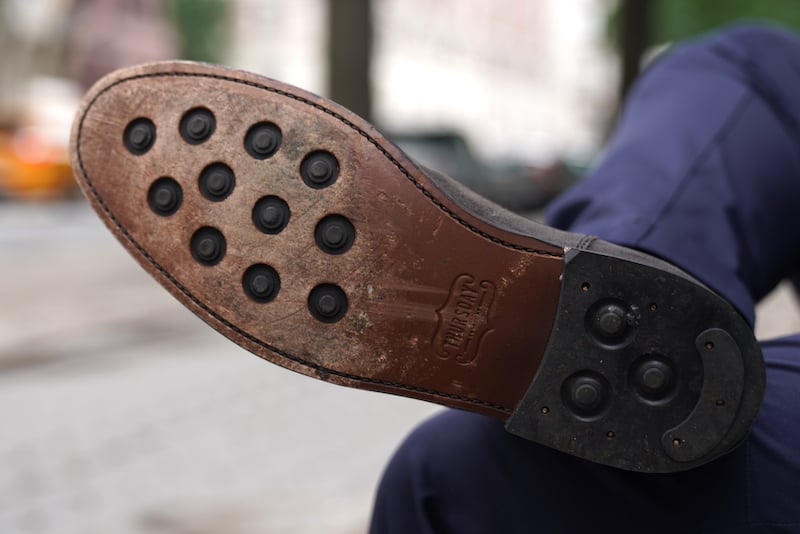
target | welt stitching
[
  {"x": 585, "y": 242},
  {"x": 249, "y": 337},
  {"x": 354, "y": 127}
]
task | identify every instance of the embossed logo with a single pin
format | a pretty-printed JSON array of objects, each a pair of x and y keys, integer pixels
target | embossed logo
[{"x": 463, "y": 319}]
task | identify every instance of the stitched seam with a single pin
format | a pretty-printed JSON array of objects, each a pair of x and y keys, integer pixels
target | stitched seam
[
  {"x": 757, "y": 79},
  {"x": 351, "y": 125},
  {"x": 249, "y": 337},
  {"x": 585, "y": 241},
  {"x": 700, "y": 159}
]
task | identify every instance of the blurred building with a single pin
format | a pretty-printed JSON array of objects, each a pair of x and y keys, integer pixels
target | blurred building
[
  {"x": 531, "y": 80},
  {"x": 52, "y": 51},
  {"x": 523, "y": 81}
]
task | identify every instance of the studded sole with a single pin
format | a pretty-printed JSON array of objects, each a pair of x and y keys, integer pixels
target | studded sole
[{"x": 295, "y": 229}]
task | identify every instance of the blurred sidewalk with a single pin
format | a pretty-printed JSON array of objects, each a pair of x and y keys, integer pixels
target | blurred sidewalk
[{"x": 122, "y": 412}]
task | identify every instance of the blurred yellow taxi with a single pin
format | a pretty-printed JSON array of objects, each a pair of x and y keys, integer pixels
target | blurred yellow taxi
[{"x": 33, "y": 166}]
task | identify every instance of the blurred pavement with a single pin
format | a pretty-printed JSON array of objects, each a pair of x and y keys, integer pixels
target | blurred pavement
[{"x": 121, "y": 412}]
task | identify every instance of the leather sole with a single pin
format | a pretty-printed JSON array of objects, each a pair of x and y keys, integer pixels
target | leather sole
[{"x": 298, "y": 231}]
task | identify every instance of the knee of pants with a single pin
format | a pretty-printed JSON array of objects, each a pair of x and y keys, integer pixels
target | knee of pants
[
  {"x": 705, "y": 148},
  {"x": 438, "y": 451},
  {"x": 462, "y": 473},
  {"x": 439, "y": 474},
  {"x": 752, "y": 35}
]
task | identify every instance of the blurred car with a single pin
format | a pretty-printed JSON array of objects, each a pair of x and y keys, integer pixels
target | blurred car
[
  {"x": 445, "y": 151},
  {"x": 514, "y": 184},
  {"x": 34, "y": 140},
  {"x": 32, "y": 166}
]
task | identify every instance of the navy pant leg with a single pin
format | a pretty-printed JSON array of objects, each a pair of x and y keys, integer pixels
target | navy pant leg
[
  {"x": 704, "y": 171},
  {"x": 704, "y": 166},
  {"x": 461, "y": 473}
]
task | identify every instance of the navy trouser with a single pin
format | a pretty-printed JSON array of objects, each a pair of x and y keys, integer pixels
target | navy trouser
[{"x": 704, "y": 171}]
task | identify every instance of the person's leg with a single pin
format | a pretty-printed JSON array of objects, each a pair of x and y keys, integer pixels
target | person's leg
[
  {"x": 704, "y": 171},
  {"x": 462, "y": 473}
]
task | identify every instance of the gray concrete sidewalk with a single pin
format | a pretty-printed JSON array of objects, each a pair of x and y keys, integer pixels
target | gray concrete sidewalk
[{"x": 122, "y": 412}]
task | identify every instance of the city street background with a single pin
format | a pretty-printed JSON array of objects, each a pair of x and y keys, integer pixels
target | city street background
[{"x": 121, "y": 412}]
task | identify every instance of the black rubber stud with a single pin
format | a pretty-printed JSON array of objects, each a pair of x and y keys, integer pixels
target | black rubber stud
[
  {"x": 197, "y": 125},
  {"x": 261, "y": 282},
  {"x": 208, "y": 246},
  {"x": 653, "y": 377},
  {"x": 263, "y": 140},
  {"x": 586, "y": 393},
  {"x": 327, "y": 303},
  {"x": 610, "y": 322},
  {"x": 217, "y": 182},
  {"x": 319, "y": 169},
  {"x": 165, "y": 196},
  {"x": 271, "y": 214},
  {"x": 335, "y": 234},
  {"x": 139, "y": 136}
]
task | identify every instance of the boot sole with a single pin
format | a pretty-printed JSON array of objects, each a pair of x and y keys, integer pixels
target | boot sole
[{"x": 294, "y": 228}]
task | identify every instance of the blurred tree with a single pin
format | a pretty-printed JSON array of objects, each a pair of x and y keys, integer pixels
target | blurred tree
[
  {"x": 637, "y": 25},
  {"x": 633, "y": 37},
  {"x": 203, "y": 27},
  {"x": 349, "y": 54},
  {"x": 678, "y": 19},
  {"x": 104, "y": 35}
]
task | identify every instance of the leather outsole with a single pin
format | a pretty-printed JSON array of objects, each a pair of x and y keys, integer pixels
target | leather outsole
[{"x": 439, "y": 304}]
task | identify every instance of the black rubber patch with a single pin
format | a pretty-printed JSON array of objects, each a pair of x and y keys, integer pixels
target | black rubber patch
[
  {"x": 208, "y": 246},
  {"x": 139, "y": 136},
  {"x": 335, "y": 234},
  {"x": 217, "y": 182},
  {"x": 719, "y": 401},
  {"x": 197, "y": 125},
  {"x": 263, "y": 140},
  {"x": 261, "y": 282},
  {"x": 271, "y": 214},
  {"x": 327, "y": 303},
  {"x": 683, "y": 387},
  {"x": 165, "y": 196},
  {"x": 319, "y": 169}
]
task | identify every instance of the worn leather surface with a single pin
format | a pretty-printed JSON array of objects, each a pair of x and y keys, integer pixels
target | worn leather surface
[{"x": 443, "y": 305}]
